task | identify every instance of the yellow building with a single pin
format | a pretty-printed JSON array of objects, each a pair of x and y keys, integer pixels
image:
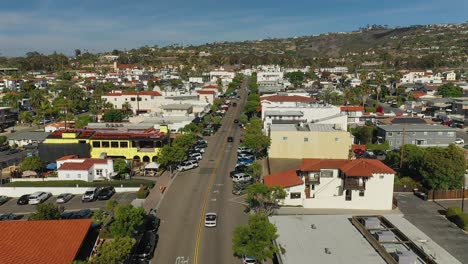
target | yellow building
[
  {"x": 143, "y": 145},
  {"x": 321, "y": 141}
]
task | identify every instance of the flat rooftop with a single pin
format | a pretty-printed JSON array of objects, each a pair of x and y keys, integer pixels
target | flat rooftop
[
  {"x": 304, "y": 127},
  {"x": 345, "y": 243}
]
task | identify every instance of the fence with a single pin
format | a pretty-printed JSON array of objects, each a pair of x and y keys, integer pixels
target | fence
[{"x": 446, "y": 194}]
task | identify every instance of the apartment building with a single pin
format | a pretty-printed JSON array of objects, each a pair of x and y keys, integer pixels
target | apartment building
[
  {"x": 8, "y": 117},
  {"x": 364, "y": 184},
  {"x": 307, "y": 140}
]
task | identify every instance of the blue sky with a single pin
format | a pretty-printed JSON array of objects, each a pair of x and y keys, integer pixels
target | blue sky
[{"x": 102, "y": 25}]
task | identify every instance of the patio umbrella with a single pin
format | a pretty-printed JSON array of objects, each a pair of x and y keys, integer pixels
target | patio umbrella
[
  {"x": 52, "y": 166},
  {"x": 152, "y": 166}
]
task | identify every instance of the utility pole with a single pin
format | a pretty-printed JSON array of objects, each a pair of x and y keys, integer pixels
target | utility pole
[{"x": 402, "y": 150}]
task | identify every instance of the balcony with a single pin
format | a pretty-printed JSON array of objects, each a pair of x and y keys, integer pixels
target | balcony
[
  {"x": 314, "y": 179},
  {"x": 354, "y": 184}
]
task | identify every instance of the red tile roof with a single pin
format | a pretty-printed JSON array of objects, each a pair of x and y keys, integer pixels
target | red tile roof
[
  {"x": 42, "y": 242},
  {"x": 86, "y": 164},
  {"x": 152, "y": 93},
  {"x": 211, "y": 86},
  {"x": 284, "y": 179},
  {"x": 418, "y": 94},
  {"x": 290, "y": 98},
  {"x": 351, "y": 168},
  {"x": 352, "y": 108}
]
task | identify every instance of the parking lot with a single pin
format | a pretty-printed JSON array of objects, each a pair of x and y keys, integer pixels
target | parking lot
[
  {"x": 428, "y": 216},
  {"x": 72, "y": 205}
]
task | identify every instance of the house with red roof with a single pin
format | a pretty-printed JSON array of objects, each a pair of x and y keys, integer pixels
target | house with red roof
[
  {"x": 354, "y": 113},
  {"x": 46, "y": 241},
  {"x": 71, "y": 167},
  {"x": 360, "y": 184}
]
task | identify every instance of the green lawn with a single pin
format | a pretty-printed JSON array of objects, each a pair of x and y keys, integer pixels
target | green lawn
[{"x": 116, "y": 183}]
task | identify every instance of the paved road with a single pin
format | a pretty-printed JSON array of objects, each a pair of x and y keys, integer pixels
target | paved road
[
  {"x": 183, "y": 237},
  {"x": 428, "y": 217},
  {"x": 72, "y": 205}
]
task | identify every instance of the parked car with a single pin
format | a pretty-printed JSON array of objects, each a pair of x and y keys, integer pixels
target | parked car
[
  {"x": 245, "y": 156},
  {"x": 243, "y": 149},
  {"x": 196, "y": 156},
  {"x": 4, "y": 199},
  {"x": 236, "y": 121},
  {"x": 358, "y": 152},
  {"x": 64, "y": 197},
  {"x": 238, "y": 169},
  {"x": 249, "y": 260},
  {"x": 241, "y": 177},
  {"x": 12, "y": 151},
  {"x": 146, "y": 246},
  {"x": 39, "y": 197},
  {"x": 198, "y": 149},
  {"x": 379, "y": 153},
  {"x": 4, "y": 148},
  {"x": 9, "y": 216},
  {"x": 90, "y": 195},
  {"x": 234, "y": 104},
  {"x": 230, "y": 139},
  {"x": 81, "y": 214},
  {"x": 211, "y": 219},
  {"x": 188, "y": 165},
  {"x": 24, "y": 199},
  {"x": 105, "y": 194},
  {"x": 244, "y": 161},
  {"x": 459, "y": 141}
]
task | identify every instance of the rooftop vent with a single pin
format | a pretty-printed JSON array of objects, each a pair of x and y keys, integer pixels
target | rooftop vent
[
  {"x": 313, "y": 226},
  {"x": 327, "y": 251}
]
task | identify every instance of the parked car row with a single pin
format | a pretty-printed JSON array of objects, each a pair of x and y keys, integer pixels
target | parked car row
[
  {"x": 147, "y": 238},
  {"x": 244, "y": 156},
  {"x": 194, "y": 154},
  {"x": 370, "y": 154},
  {"x": 98, "y": 193}
]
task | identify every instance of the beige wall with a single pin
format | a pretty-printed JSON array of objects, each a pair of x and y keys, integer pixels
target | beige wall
[{"x": 324, "y": 145}]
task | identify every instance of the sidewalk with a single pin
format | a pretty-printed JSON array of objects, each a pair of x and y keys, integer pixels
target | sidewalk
[{"x": 157, "y": 193}]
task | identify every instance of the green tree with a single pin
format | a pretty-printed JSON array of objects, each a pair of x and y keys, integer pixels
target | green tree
[
  {"x": 120, "y": 166},
  {"x": 27, "y": 87},
  {"x": 255, "y": 239},
  {"x": 126, "y": 219},
  {"x": 83, "y": 120},
  {"x": 296, "y": 78},
  {"x": 257, "y": 142},
  {"x": 243, "y": 119},
  {"x": 33, "y": 163},
  {"x": 450, "y": 90},
  {"x": 264, "y": 199},
  {"x": 255, "y": 170},
  {"x": 11, "y": 99},
  {"x": 191, "y": 128},
  {"x": 115, "y": 251},
  {"x": 46, "y": 211},
  {"x": 364, "y": 134},
  {"x": 330, "y": 96},
  {"x": 251, "y": 107},
  {"x": 171, "y": 155},
  {"x": 217, "y": 120},
  {"x": 113, "y": 115},
  {"x": 3, "y": 139},
  {"x": 443, "y": 168},
  {"x": 26, "y": 117}
]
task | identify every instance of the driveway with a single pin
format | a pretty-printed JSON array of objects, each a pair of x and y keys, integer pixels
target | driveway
[
  {"x": 72, "y": 205},
  {"x": 428, "y": 217}
]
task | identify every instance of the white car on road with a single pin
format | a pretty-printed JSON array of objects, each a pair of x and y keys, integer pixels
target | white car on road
[
  {"x": 196, "y": 156},
  {"x": 211, "y": 219},
  {"x": 39, "y": 197},
  {"x": 459, "y": 141},
  {"x": 243, "y": 149},
  {"x": 191, "y": 164}
]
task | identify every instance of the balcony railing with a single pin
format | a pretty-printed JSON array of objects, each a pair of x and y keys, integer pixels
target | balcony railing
[
  {"x": 354, "y": 184},
  {"x": 312, "y": 179}
]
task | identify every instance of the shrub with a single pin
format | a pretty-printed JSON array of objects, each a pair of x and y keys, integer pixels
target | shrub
[
  {"x": 453, "y": 211},
  {"x": 384, "y": 146},
  {"x": 407, "y": 181},
  {"x": 462, "y": 221},
  {"x": 143, "y": 193}
]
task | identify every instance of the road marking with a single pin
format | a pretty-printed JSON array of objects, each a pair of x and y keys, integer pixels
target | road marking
[
  {"x": 216, "y": 191},
  {"x": 235, "y": 198},
  {"x": 208, "y": 191},
  {"x": 213, "y": 199},
  {"x": 182, "y": 260},
  {"x": 219, "y": 184}
]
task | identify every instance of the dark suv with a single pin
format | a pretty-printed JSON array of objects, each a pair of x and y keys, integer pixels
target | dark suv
[{"x": 146, "y": 246}]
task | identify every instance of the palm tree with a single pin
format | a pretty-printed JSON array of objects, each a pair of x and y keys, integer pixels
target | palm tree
[{"x": 127, "y": 108}]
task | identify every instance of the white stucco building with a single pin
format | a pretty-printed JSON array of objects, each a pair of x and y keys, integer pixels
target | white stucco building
[
  {"x": 86, "y": 169},
  {"x": 296, "y": 109},
  {"x": 364, "y": 184}
]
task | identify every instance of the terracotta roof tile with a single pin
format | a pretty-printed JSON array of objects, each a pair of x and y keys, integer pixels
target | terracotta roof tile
[
  {"x": 68, "y": 157},
  {"x": 284, "y": 179},
  {"x": 357, "y": 146},
  {"x": 205, "y": 91},
  {"x": 352, "y": 168},
  {"x": 86, "y": 164},
  {"x": 352, "y": 108},
  {"x": 152, "y": 93},
  {"x": 285, "y": 98},
  {"x": 42, "y": 242}
]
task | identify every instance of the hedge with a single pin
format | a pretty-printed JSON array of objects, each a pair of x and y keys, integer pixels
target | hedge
[
  {"x": 143, "y": 192},
  {"x": 116, "y": 183},
  {"x": 462, "y": 221},
  {"x": 453, "y": 211}
]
